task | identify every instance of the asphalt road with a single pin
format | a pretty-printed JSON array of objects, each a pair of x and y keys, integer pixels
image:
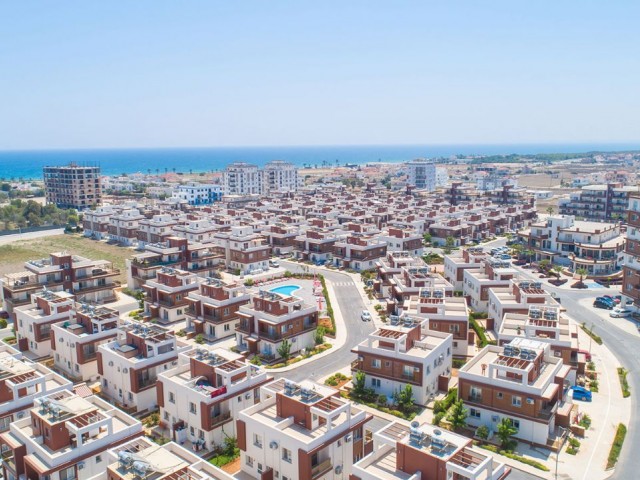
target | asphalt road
[
  {"x": 6, "y": 239},
  {"x": 351, "y": 305}
]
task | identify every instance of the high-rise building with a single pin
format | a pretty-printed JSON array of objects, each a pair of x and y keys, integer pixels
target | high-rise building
[
  {"x": 73, "y": 186},
  {"x": 242, "y": 179},
  {"x": 279, "y": 176},
  {"x": 421, "y": 174}
]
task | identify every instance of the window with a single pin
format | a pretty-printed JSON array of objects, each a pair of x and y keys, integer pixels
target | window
[
  {"x": 286, "y": 455},
  {"x": 499, "y": 395},
  {"x": 98, "y": 458},
  {"x": 475, "y": 394},
  {"x": 375, "y": 382},
  {"x": 515, "y": 423},
  {"x": 240, "y": 399},
  {"x": 387, "y": 364},
  {"x": 166, "y": 415},
  {"x": 257, "y": 440},
  {"x": 5, "y": 422},
  {"x": 474, "y": 413},
  {"x": 68, "y": 473},
  {"x": 516, "y": 401},
  {"x": 249, "y": 461},
  {"x": 192, "y": 407},
  {"x": 375, "y": 363},
  {"x": 407, "y": 371},
  {"x": 227, "y": 327},
  {"x": 172, "y": 398}
]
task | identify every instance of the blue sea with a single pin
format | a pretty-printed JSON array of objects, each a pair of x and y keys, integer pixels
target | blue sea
[{"x": 28, "y": 164}]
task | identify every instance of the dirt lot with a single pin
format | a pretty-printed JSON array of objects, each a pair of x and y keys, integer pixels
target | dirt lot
[{"x": 13, "y": 256}]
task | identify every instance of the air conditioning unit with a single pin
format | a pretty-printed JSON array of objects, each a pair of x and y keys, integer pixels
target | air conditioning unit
[
  {"x": 338, "y": 469},
  {"x": 347, "y": 438},
  {"x": 80, "y": 465},
  {"x": 20, "y": 415},
  {"x": 125, "y": 370},
  {"x": 247, "y": 395},
  {"x": 530, "y": 401},
  {"x": 111, "y": 363},
  {"x": 273, "y": 445}
]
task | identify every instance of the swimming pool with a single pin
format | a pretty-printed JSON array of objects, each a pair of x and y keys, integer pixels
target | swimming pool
[{"x": 285, "y": 289}]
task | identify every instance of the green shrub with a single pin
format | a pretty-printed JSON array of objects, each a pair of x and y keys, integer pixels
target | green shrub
[
  {"x": 199, "y": 339},
  {"x": 574, "y": 442},
  {"x": 624, "y": 384},
  {"x": 482, "y": 432},
  {"x": 618, "y": 440},
  {"x": 585, "y": 421},
  {"x": 459, "y": 362},
  {"x": 515, "y": 456},
  {"x": 437, "y": 418},
  {"x": 3, "y": 323},
  {"x": 571, "y": 450}
]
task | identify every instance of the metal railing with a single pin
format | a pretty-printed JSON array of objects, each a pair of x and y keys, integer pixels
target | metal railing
[{"x": 321, "y": 468}]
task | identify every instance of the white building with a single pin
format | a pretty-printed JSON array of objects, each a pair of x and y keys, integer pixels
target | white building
[
  {"x": 442, "y": 177},
  {"x": 421, "y": 174},
  {"x": 242, "y": 179},
  {"x": 280, "y": 176},
  {"x": 198, "y": 193},
  {"x": 200, "y": 399}
]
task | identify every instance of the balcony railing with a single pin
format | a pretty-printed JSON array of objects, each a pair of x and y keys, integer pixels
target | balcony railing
[
  {"x": 321, "y": 468},
  {"x": 222, "y": 418},
  {"x": 475, "y": 398}
]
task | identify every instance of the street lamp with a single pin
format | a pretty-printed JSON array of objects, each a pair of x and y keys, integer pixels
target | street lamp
[{"x": 565, "y": 435}]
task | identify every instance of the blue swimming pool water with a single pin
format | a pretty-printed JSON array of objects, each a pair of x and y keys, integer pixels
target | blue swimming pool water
[{"x": 285, "y": 289}]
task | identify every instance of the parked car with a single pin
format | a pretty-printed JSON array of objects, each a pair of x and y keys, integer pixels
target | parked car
[
  {"x": 366, "y": 316},
  {"x": 274, "y": 263},
  {"x": 607, "y": 300},
  {"x": 600, "y": 303},
  {"x": 620, "y": 312},
  {"x": 581, "y": 393},
  {"x": 615, "y": 299},
  {"x": 587, "y": 354}
]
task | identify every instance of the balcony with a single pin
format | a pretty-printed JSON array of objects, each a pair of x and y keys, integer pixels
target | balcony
[
  {"x": 221, "y": 418},
  {"x": 355, "y": 365},
  {"x": 243, "y": 327},
  {"x": 321, "y": 468},
  {"x": 475, "y": 398},
  {"x": 548, "y": 412}
]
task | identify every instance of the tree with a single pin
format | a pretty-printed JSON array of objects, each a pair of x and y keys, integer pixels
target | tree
[
  {"x": 404, "y": 397},
  {"x": 517, "y": 249},
  {"x": 284, "y": 350},
  {"x": 545, "y": 265},
  {"x": 449, "y": 243},
  {"x": 582, "y": 272},
  {"x": 557, "y": 269},
  {"x": 550, "y": 210},
  {"x": 426, "y": 238},
  {"x": 318, "y": 335},
  {"x": 359, "y": 383},
  {"x": 505, "y": 431},
  {"x": 457, "y": 415},
  {"x": 528, "y": 254}
]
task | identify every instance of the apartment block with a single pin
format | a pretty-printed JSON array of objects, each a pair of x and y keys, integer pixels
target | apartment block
[
  {"x": 156, "y": 229},
  {"x": 517, "y": 297},
  {"x": 425, "y": 452},
  {"x": 74, "y": 342},
  {"x": 457, "y": 262},
  {"x": 21, "y": 381},
  {"x": 405, "y": 352},
  {"x": 95, "y": 223},
  {"x": 280, "y": 176},
  {"x": 73, "y": 186},
  {"x": 87, "y": 280},
  {"x": 198, "y": 193},
  {"x": 166, "y": 295},
  {"x": 129, "y": 365},
  {"x": 400, "y": 240},
  {"x": 35, "y": 321},
  {"x": 65, "y": 437},
  {"x": 446, "y": 314},
  {"x": 521, "y": 381},
  {"x": 242, "y": 179},
  {"x": 123, "y": 226},
  {"x": 244, "y": 250},
  {"x": 359, "y": 251},
  {"x": 213, "y": 309},
  {"x": 596, "y": 247},
  {"x": 421, "y": 174},
  {"x": 201, "y": 397},
  {"x": 315, "y": 244},
  {"x": 300, "y": 431},
  {"x": 270, "y": 318},
  {"x": 599, "y": 202}
]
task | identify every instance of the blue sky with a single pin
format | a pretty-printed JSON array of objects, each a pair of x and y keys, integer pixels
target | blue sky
[{"x": 87, "y": 74}]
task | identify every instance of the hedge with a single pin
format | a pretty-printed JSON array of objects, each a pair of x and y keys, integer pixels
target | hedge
[{"x": 618, "y": 440}]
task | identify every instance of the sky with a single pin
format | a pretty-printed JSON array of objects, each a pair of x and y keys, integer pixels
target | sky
[{"x": 155, "y": 73}]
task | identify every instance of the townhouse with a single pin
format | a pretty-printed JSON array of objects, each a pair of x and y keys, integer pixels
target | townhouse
[
  {"x": 425, "y": 452},
  {"x": 35, "y": 321},
  {"x": 457, "y": 262},
  {"x": 446, "y": 314},
  {"x": 516, "y": 297},
  {"x": 244, "y": 251},
  {"x": 165, "y": 298},
  {"x": 213, "y": 308},
  {"x": 87, "y": 280},
  {"x": 405, "y": 352},
  {"x": 300, "y": 431},
  {"x": 521, "y": 381},
  {"x": 270, "y": 318},
  {"x": 156, "y": 229},
  {"x": 477, "y": 283},
  {"x": 315, "y": 244},
  {"x": 123, "y": 226},
  {"x": 65, "y": 437},
  {"x": 359, "y": 251},
  {"x": 95, "y": 223},
  {"x": 129, "y": 365},
  {"x": 596, "y": 247},
  {"x": 21, "y": 381},
  {"x": 74, "y": 342},
  {"x": 201, "y": 397},
  {"x": 400, "y": 240}
]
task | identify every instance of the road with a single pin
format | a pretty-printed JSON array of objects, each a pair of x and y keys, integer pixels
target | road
[
  {"x": 6, "y": 239},
  {"x": 351, "y": 305}
]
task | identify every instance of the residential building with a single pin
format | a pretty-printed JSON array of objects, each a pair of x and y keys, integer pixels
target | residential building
[
  {"x": 316, "y": 245},
  {"x": 270, "y": 318},
  {"x": 421, "y": 174},
  {"x": 65, "y": 437},
  {"x": 442, "y": 177},
  {"x": 280, "y": 176},
  {"x": 520, "y": 381},
  {"x": 494, "y": 273},
  {"x": 457, "y": 262},
  {"x": 143, "y": 458},
  {"x": 95, "y": 223},
  {"x": 244, "y": 250},
  {"x": 405, "y": 352},
  {"x": 21, "y": 381},
  {"x": 73, "y": 186},
  {"x": 87, "y": 280},
  {"x": 425, "y": 452},
  {"x": 300, "y": 431},
  {"x": 123, "y": 226},
  {"x": 165, "y": 298},
  {"x": 35, "y": 320},
  {"x": 156, "y": 229},
  {"x": 74, "y": 342},
  {"x": 631, "y": 270},
  {"x": 596, "y": 247},
  {"x": 198, "y": 193},
  {"x": 359, "y": 251},
  {"x": 213, "y": 309},
  {"x": 401, "y": 240},
  {"x": 599, "y": 202},
  {"x": 446, "y": 314},
  {"x": 516, "y": 297},
  {"x": 242, "y": 179},
  {"x": 200, "y": 398},
  {"x": 129, "y": 365}
]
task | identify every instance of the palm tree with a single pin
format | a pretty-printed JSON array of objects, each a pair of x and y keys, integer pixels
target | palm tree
[
  {"x": 550, "y": 210},
  {"x": 505, "y": 431},
  {"x": 582, "y": 272},
  {"x": 457, "y": 415},
  {"x": 558, "y": 270}
]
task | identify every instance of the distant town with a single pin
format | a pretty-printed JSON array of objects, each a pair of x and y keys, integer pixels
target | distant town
[{"x": 432, "y": 319}]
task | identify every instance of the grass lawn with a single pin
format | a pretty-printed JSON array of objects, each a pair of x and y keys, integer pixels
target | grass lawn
[
  {"x": 221, "y": 460},
  {"x": 15, "y": 254}
]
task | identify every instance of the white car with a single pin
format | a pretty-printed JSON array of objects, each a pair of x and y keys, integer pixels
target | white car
[
  {"x": 274, "y": 263},
  {"x": 619, "y": 312},
  {"x": 366, "y": 316}
]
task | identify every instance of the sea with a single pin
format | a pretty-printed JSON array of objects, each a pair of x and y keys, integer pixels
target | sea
[{"x": 27, "y": 164}]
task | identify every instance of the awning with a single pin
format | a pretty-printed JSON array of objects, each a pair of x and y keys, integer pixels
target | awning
[{"x": 550, "y": 392}]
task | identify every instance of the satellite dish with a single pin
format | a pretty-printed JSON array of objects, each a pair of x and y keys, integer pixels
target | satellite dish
[{"x": 415, "y": 424}]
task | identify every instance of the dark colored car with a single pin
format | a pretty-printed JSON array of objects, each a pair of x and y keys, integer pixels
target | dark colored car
[
  {"x": 606, "y": 299},
  {"x": 599, "y": 303}
]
